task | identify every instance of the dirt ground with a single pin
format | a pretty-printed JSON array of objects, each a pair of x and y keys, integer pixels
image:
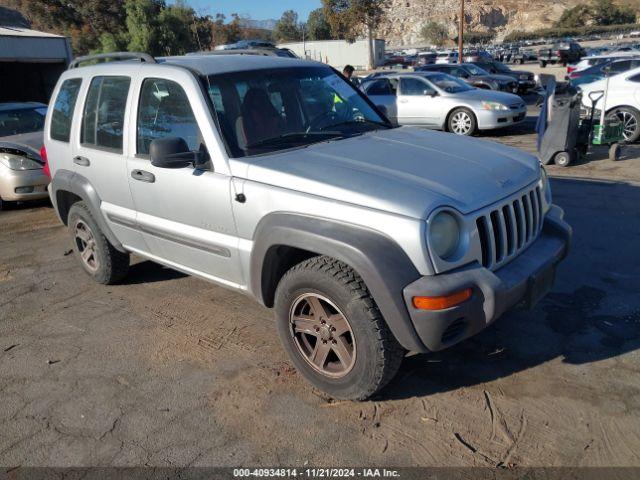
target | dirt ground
[{"x": 167, "y": 370}]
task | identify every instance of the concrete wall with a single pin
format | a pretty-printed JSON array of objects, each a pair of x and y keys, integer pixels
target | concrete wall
[{"x": 339, "y": 53}]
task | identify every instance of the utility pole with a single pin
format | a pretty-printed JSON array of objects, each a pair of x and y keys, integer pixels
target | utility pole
[{"x": 461, "y": 32}]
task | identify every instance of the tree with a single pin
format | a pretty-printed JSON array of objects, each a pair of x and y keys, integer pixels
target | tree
[
  {"x": 175, "y": 29},
  {"x": 143, "y": 26},
  {"x": 348, "y": 18},
  {"x": 287, "y": 28},
  {"x": 604, "y": 12},
  {"x": 317, "y": 26},
  {"x": 577, "y": 16},
  {"x": 434, "y": 33}
]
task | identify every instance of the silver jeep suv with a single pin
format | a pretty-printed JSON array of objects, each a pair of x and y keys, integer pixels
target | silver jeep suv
[{"x": 277, "y": 178}]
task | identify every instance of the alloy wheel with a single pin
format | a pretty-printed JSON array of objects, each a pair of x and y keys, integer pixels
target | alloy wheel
[
  {"x": 322, "y": 335},
  {"x": 86, "y": 244},
  {"x": 629, "y": 122},
  {"x": 461, "y": 123}
]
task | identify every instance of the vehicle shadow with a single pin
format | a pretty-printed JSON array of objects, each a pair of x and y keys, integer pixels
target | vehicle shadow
[
  {"x": 592, "y": 314},
  {"x": 147, "y": 271}
]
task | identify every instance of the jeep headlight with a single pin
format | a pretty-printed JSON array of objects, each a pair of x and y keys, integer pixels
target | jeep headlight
[
  {"x": 545, "y": 189},
  {"x": 494, "y": 106},
  {"x": 444, "y": 235},
  {"x": 18, "y": 162}
]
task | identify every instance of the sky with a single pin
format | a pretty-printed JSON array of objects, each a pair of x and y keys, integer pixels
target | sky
[{"x": 256, "y": 9}]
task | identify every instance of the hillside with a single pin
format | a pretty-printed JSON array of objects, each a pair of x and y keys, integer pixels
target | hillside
[{"x": 405, "y": 17}]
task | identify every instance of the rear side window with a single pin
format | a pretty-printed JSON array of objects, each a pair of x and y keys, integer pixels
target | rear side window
[
  {"x": 164, "y": 111},
  {"x": 379, "y": 87},
  {"x": 62, "y": 115},
  {"x": 103, "y": 119}
]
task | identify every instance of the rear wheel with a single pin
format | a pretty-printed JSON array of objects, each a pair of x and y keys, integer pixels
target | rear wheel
[
  {"x": 97, "y": 256},
  {"x": 333, "y": 331},
  {"x": 630, "y": 118},
  {"x": 462, "y": 121}
]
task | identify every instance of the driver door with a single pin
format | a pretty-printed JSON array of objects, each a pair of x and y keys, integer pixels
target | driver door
[
  {"x": 184, "y": 214},
  {"x": 416, "y": 101}
]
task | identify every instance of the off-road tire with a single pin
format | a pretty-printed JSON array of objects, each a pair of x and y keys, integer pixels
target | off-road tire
[
  {"x": 378, "y": 355},
  {"x": 113, "y": 264}
]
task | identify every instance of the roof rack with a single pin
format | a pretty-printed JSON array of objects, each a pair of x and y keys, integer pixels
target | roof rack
[{"x": 143, "y": 57}]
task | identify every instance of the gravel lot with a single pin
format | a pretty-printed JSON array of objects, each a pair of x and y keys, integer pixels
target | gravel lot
[{"x": 167, "y": 370}]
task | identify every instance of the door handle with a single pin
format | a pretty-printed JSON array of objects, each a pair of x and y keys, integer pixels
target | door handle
[
  {"x": 404, "y": 101},
  {"x": 143, "y": 176},
  {"x": 82, "y": 161}
]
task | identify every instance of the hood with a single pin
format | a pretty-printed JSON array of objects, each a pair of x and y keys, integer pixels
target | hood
[
  {"x": 480, "y": 95},
  {"x": 29, "y": 143},
  {"x": 496, "y": 78},
  {"x": 408, "y": 171}
]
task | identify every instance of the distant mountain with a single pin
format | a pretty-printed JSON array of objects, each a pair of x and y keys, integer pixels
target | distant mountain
[{"x": 269, "y": 24}]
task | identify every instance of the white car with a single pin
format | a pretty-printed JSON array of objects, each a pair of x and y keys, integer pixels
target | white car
[
  {"x": 622, "y": 100},
  {"x": 588, "y": 62},
  {"x": 447, "y": 57}
]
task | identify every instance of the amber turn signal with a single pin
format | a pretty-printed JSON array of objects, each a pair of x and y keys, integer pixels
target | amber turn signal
[{"x": 442, "y": 303}]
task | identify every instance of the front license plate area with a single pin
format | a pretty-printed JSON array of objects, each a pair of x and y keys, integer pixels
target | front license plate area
[{"x": 540, "y": 284}]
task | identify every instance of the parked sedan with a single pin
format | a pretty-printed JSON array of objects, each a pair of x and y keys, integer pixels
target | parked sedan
[
  {"x": 526, "y": 80},
  {"x": 440, "y": 101},
  {"x": 21, "y": 168},
  {"x": 475, "y": 76},
  {"x": 599, "y": 71}
]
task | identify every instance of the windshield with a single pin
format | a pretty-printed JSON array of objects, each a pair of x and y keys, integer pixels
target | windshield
[
  {"x": 473, "y": 70},
  {"x": 24, "y": 120},
  {"x": 263, "y": 111},
  {"x": 501, "y": 67},
  {"x": 448, "y": 83}
]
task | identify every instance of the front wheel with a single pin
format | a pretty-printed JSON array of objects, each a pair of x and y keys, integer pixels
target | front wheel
[
  {"x": 462, "y": 121},
  {"x": 333, "y": 331}
]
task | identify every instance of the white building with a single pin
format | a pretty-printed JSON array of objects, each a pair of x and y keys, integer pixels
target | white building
[
  {"x": 30, "y": 63},
  {"x": 339, "y": 53}
]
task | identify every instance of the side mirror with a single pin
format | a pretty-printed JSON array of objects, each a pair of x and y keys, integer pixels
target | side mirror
[
  {"x": 171, "y": 152},
  {"x": 430, "y": 93}
]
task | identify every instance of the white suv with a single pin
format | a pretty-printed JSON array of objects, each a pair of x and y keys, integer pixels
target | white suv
[{"x": 277, "y": 178}]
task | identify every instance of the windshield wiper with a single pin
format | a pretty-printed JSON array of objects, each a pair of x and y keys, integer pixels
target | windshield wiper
[
  {"x": 357, "y": 122},
  {"x": 293, "y": 137}
]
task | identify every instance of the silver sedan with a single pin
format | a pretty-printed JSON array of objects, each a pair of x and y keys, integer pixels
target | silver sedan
[{"x": 440, "y": 101}]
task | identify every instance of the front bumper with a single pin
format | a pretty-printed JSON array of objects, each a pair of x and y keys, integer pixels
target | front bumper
[
  {"x": 523, "y": 280},
  {"x": 22, "y": 185},
  {"x": 492, "y": 119}
]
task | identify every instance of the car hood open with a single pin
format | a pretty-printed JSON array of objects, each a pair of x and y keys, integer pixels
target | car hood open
[{"x": 408, "y": 171}]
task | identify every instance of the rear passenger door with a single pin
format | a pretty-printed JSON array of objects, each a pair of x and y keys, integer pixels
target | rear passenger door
[
  {"x": 184, "y": 214},
  {"x": 99, "y": 152}
]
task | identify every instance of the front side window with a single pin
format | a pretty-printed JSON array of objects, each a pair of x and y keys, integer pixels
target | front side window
[
  {"x": 63, "y": 107},
  {"x": 103, "y": 119},
  {"x": 413, "y": 86},
  {"x": 269, "y": 110},
  {"x": 164, "y": 111}
]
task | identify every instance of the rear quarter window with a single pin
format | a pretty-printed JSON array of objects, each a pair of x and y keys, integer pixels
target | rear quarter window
[{"x": 62, "y": 115}]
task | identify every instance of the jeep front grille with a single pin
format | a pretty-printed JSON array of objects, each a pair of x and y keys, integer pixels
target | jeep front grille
[{"x": 508, "y": 229}]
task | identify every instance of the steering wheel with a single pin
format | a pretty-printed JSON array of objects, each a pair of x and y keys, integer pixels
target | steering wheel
[{"x": 322, "y": 120}]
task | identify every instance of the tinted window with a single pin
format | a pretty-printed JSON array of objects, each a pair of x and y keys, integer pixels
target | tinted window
[
  {"x": 617, "y": 67},
  {"x": 379, "y": 87},
  {"x": 164, "y": 111},
  {"x": 63, "y": 109},
  {"x": 413, "y": 86},
  {"x": 103, "y": 119},
  {"x": 635, "y": 78}
]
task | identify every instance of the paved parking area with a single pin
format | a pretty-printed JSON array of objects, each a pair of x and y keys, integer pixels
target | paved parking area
[{"x": 168, "y": 370}]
